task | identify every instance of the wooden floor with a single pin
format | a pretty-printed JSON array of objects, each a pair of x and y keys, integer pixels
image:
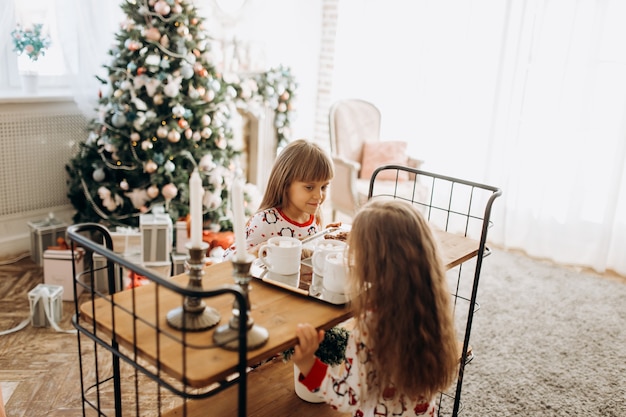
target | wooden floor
[{"x": 40, "y": 373}]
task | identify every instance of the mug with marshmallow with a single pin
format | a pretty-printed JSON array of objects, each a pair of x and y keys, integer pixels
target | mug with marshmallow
[
  {"x": 335, "y": 272},
  {"x": 281, "y": 255},
  {"x": 323, "y": 248}
]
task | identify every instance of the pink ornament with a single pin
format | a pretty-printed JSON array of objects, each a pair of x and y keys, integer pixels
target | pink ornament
[
  {"x": 169, "y": 191},
  {"x": 124, "y": 185},
  {"x": 162, "y": 132},
  {"x": 173, "y": 136},
  {"x": 162, "y": 8},
  {"x": 150, "y": 167},
  {"x": 153, "y": 191},
  {"x": 152, "y": 34}
]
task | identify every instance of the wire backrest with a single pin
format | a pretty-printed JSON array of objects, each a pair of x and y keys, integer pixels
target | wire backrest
[{"x": 456, "y": 206}]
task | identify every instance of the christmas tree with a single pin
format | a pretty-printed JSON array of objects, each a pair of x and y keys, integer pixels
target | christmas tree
[{"x": 163, "y": 111}]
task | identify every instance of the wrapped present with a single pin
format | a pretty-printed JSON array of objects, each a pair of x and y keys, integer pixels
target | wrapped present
[
  {"x": 163, "y": 269},
  {"x": 126, "y": 241},
  {"x": 156, "y": 237},
  {"x": 45, "y": 301},
  {"x": 182, "y": 236},
  {"x": 44, "y": 233},
  {"x": 178, "y": 263},
  {"x": 100, "y": 275},
  {"x": 57, "y": 270}
]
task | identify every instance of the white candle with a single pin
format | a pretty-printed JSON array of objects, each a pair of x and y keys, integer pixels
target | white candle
[
  {"x": 239, "y": 221},
  {"x": 195, "y": 208}
]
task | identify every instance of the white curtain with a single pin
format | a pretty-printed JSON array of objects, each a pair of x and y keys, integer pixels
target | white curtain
[
  {"x": 527, "y": 95},
  {"x": 87, "y": 34}
]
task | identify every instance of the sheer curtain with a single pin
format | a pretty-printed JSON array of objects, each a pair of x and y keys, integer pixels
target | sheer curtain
[
  {"x": 526, "y": 95},
  {"x": 87, "y": 32}
]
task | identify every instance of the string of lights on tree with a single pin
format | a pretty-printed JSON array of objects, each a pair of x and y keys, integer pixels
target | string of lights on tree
[{"x": 163, "y": 111}]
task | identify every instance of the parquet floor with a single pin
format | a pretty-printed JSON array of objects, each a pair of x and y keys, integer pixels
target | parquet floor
[
  {"x": 39, "y": 370},
  {"x": 40, "y": 373}
]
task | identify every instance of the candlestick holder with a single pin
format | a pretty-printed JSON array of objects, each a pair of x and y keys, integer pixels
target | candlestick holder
[
  {"x": 194, "y": 314},
  {"x": 226, "y": 335}
]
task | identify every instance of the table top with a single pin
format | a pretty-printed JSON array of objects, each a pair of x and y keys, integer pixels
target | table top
[
  {"x": 186, "y": 356},
  {"x": 277, "y": 310}
]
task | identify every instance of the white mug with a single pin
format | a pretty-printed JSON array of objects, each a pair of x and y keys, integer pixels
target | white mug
[
  {"x": 335, "y": 272},
  {"x": 323, "y": 248},
  {"x": 281, "y": 255}
]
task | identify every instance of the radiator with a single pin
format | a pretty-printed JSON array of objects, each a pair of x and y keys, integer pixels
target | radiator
[{"x": 37, "y": 140}]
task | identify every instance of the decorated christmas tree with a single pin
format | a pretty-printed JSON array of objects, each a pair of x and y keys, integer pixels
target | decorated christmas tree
[{"x": 163, "y": 111}]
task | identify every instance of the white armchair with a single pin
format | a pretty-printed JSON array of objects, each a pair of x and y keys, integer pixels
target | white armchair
[{"x": 356, "y": 149}]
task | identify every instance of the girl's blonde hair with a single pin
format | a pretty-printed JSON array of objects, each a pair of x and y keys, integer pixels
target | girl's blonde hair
[
  {"x": 398, "y": 283},
  {"x": 300, "y": 160}
]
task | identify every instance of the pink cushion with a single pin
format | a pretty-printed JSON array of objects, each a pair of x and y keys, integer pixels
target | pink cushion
[{"x": 377, "y": 153}]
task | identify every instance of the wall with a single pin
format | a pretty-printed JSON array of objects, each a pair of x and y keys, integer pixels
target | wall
[{"x": 37, "y": 137}]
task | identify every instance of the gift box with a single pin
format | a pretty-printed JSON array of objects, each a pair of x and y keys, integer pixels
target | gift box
[
  {"x": 178, "y": 263},
  {"x": 182, "y": 236},
  {"x": 43, "y": 234},
  {"x": 162, "y": 269},
  {"x": 156, "y": 237},
  {"x": 57, "y": 270},
  {"x": 100, "y": 275},
  {"x": 42, "y": 297},
  {"x": 126, "y": 241}
]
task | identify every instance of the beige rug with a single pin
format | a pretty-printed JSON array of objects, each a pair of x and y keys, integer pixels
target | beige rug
[{"x": 548, "y": 340}]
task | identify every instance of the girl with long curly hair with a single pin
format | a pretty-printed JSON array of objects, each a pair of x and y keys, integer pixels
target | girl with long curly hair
[{"x": 403, "y": 349}]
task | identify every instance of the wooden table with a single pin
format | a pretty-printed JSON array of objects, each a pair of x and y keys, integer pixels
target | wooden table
[
  {"x": 279, "y": 311},
  {"x": 185, "y": 355}
]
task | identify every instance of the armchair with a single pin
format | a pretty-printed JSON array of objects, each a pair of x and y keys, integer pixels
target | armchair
[{"x": 356, "y": 150}]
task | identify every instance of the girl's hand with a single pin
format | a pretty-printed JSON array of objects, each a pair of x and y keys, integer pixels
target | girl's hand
[{"x": 309, "y": 340}]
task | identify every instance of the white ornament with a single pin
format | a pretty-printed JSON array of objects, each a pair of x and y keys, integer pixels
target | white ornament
[
  {"x": 206, "y": 163},
  {"x": 178, "y": 110},
  {"x": 98, "y": 175},
  {"x": 206, "y": 133},
  {"x": 169, "y": 166},
  {"x": 172, "y": 88},
  {"x": 118, "y": 119}
]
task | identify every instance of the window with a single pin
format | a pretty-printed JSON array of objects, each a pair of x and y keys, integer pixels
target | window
[{"x": 53, "y": 67}]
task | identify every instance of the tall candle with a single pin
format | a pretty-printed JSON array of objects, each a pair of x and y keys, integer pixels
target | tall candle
[
  {"x": 195, "y": 208},
  {"x": 239, "y": 221}
]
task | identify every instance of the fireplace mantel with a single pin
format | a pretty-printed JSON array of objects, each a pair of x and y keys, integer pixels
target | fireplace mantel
[{"x": 258, "y": 142}]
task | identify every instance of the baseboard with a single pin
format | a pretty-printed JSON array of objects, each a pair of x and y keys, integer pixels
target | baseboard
[{"x": 15, "y": 232}]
